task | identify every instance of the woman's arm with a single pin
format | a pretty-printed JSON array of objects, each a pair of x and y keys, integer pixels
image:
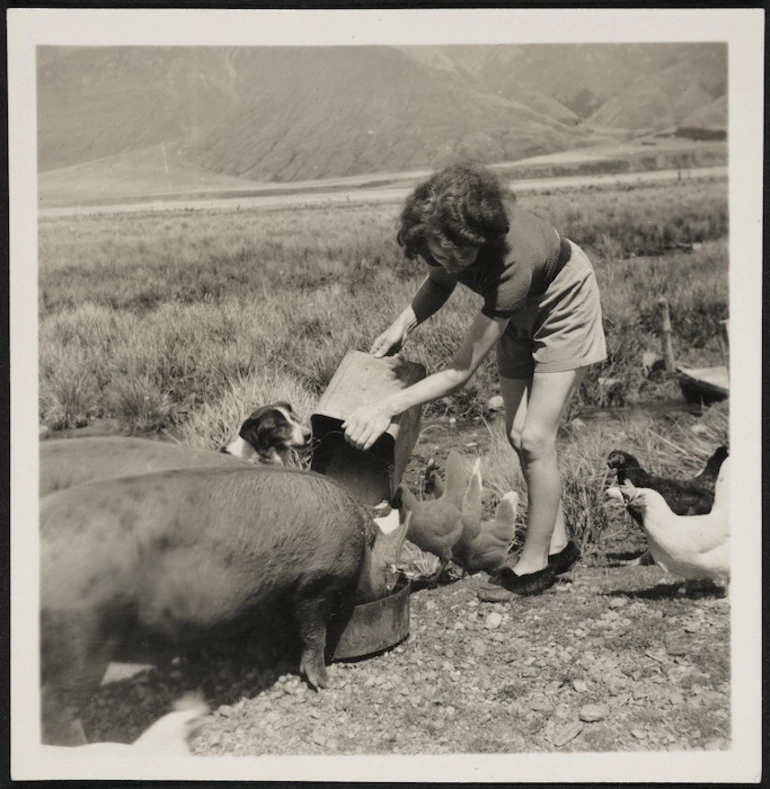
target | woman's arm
[
  {"x": 430, "y": 297},
  {"x": 436, "y": 288},
  {"x": 367, "y": 423}
]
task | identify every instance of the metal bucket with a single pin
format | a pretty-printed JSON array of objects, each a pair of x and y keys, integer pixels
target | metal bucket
[
  {"x": 374, "y": 626},
  {"x": 374, "y": 475}
]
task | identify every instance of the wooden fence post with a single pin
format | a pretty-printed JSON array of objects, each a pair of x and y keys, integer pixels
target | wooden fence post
[
  {"x": 724, "y": 342},
  {"x": 668, "y": 348}
]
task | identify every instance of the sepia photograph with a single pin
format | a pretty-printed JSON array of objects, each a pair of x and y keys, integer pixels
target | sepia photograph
[{"x": 385, "y": 386}]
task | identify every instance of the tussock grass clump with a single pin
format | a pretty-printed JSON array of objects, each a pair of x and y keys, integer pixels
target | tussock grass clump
[
  {"x": 637, "y": 220},
  {"x": 68, "y": 398},
  {"x": 215, "y": 423},
  {"x": 140, "y": 400}
]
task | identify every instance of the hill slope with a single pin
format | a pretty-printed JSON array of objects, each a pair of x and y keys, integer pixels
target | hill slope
[
  {"x": 707, "y": 122},
  {"x": 297, "y": 113},
  {"x": 585, "y": 77},
  {"x": 99, "y": 101},
  {"x": 321, "y": 112}
]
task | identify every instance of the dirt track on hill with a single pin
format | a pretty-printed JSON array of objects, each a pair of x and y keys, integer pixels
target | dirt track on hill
[{"x": 374, "y": 195}]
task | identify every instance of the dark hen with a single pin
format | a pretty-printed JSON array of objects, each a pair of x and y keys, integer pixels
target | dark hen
[
  {"x": 692, "y": 547},
  {"x": 684, "y": 496},
  {"x": 713, "y": 466}
]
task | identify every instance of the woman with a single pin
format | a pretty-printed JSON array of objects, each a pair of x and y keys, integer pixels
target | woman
[{"x": 542, "y": 314}]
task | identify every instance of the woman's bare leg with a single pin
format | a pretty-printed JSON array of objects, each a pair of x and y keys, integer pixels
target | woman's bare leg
[{"x": 533, "y": 412}]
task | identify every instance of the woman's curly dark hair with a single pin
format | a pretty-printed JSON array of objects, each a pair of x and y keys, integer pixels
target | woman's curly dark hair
[{"x": 461, "y": 205}]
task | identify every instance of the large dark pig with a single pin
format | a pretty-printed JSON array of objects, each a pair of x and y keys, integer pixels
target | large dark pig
[
  {"x": 72, "y": 461},
  {"x": 179, "y": 558}
]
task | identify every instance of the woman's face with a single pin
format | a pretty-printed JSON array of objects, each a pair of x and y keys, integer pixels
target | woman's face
[{"x": 452, "y": 259}]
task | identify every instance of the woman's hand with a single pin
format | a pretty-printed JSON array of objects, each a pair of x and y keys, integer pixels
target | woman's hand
[
  {"x": 365, "y": 425},
  {"x": 391, "y": 340}
]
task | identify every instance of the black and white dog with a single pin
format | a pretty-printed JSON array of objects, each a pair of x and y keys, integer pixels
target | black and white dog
[{"x": 269, "y": 435}]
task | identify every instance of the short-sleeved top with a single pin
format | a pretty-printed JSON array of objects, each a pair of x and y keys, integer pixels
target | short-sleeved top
[{"x": 507, "y": 279}]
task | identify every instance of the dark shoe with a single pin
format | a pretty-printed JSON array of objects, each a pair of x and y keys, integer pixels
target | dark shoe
[
  {"x": 565, "y": 559},
  {"x": 530, "y": 583},
  {"x": 494, "y": 594}
]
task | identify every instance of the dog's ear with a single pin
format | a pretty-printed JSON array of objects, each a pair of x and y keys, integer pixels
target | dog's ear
[
  {"x": 286, "y": 405},
  {"x": 267, "y": 428},
  {"x": 251, "y": 433}
]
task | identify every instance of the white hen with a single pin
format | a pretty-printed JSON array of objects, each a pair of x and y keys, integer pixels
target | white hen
[{"x": 690, "y": 546}]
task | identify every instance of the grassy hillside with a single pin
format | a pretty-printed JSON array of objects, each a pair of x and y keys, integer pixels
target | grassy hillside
[
  {"x": 709, "y": 118},
  {"x": 583, "y": 77},
  {"x": 318, "y": 113},
  {"x": 298, "y": 113},
  {"x": 100, "y": 101}
]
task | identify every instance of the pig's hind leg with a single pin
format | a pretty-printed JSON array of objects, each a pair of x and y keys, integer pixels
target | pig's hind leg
[
  {"x": 311, "y": 615},
  {"x": 314, "y": 605},
  {"x": 76, "y": 648}
]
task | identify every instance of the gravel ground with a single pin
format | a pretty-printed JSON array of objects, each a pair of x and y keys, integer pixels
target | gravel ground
[{"x": 612, "y": 658}]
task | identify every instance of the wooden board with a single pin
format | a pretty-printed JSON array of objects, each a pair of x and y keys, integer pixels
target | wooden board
[
  {"x": 713, "y": 381},
  {"x": 360, "y": 379}
]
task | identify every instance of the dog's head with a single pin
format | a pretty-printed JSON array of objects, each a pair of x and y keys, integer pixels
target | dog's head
[{"x": 269, "y": 434}]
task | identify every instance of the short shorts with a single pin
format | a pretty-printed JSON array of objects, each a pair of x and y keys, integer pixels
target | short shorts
[{"x": 558, "y": 330}]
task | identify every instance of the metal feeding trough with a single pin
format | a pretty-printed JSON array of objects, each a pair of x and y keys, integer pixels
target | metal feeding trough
[
  {"x": 373, "y": 626},
  {"x": 372, "y": 477}
]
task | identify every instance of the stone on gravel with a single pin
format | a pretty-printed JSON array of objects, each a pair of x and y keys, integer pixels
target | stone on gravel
[
  {"x": 563, "y": 734},
  {"x": 580, "y": 686},
  {"x": 540, "y": 705},
  {"x": 478, "y": 647},
  {"x": 618, "y": 602},
  {"x": 692, "y": 627},
  {"x": 676, "y": 646},
  {"x": 591, "y": 713},
  {"x": 493, "y": 620}
]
